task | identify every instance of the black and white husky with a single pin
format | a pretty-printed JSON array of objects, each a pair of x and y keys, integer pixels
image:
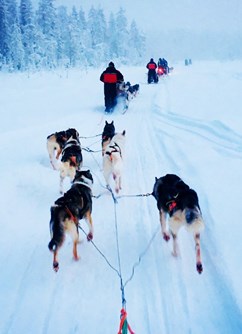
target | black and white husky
[
  {"x": 75, "y": 205},
  {"x": 56, "y": 142},
  {"x": 127, "y": 92},
  {"x": 113, "y": 160},
  {"x": 177, "y": 200},
  {"x": 71, "y": 160}
]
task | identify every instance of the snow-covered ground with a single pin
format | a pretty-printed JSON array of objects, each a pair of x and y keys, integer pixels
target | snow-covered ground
[{"x": 190, "y": 124}]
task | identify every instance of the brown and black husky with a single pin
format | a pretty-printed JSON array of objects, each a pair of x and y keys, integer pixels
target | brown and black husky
[
  {"x": 76, "y": 204},
  {"x": 177, "y": 200}
]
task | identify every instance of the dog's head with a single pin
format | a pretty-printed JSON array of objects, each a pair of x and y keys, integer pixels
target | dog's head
[
  {"x": 84, "y": 176},
  {"x": 109, "y": 129},
  {"x": 136, "y": 87},
  {"x": 166, "y": 187},
  {"x": 72, "y": 133}
]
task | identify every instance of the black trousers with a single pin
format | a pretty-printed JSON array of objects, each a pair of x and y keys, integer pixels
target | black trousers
[{"x": 110, "y": 95}]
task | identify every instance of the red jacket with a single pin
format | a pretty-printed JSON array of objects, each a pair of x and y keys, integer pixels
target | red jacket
[
  {"x": 111, "y": 76},
  {"x": 151, "y": 66}
]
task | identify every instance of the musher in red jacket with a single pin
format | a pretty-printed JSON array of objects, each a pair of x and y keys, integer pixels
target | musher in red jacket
[
  {"x": 110, "y": 77},
  {"x": 152, "y": 75}
]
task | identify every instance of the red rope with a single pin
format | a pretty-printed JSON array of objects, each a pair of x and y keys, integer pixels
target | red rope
[
  {"x": 72, "y": 217},
  {"x": 123, "y": 318}
]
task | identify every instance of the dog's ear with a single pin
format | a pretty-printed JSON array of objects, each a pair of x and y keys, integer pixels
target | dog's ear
[
  {"x": 106, "y": 122},
  {"x": 112, "y": 122},
  {"x": 156, "y": 178},
  {"x": 123, "y": 133}
]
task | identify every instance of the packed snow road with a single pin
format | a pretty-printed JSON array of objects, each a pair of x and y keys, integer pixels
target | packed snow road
[{"x": 170, "y": 128}]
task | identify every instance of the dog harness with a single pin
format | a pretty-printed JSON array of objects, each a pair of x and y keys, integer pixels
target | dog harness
[
  {"x": 115, "y": 149},
  {"x": 171, "y": 205}
]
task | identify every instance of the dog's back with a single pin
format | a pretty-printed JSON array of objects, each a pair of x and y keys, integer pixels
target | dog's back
[
  {"x": 56, "y": 142},
  {"x": 71, "y": 160},
  {"x": 113, "y": 159},
  {"x": 72, "y": 153}
]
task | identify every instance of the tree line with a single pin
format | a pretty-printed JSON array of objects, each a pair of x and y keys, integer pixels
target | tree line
[{"x": 50, "y": 37}]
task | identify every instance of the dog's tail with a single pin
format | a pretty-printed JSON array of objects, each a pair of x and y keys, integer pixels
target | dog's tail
[{"x": 56, "y": 229}]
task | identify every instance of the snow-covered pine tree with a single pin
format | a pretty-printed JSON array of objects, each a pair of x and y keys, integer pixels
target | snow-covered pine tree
[
  {"x": 3, "y": 34},
  {"x": 47, "y": 23},
  {"x": 28, "y": 32},
  {"x": 112, "y": 42},
  {"x": 136, "y": 43},
  {"x": 122, "y": 36}
]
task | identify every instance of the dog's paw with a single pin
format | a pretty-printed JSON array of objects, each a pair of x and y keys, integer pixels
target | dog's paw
[
  {"x": 199, "y": 267},
  {"x": 56, "y": 266},
  {"x": 89, "y": 236},
  {"x": 166, "y": 237},
  {"x": 174, "y": 253}
]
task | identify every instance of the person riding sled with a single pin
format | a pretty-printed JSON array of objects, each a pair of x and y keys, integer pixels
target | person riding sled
[
  {"x": 163, "y": 66},
  {"x": 152, "y": 75},
  {"x": 110, "y": 77}
]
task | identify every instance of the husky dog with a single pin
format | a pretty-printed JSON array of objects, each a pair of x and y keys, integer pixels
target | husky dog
[
  {"x": 180, "y": 202},
  {"x": 76, "y": 204},
  {"x": 71, "y": 159},
  {"x": 127, "y": 92},
  {"x": 107, "y": 135},
  {"x": 56, "y": 142},
  {"x": 113, "y": 160},
  {"x": 132, "y": 90}
]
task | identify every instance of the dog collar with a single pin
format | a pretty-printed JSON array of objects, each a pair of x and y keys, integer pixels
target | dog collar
[
  {"x": 83, "y": 184},
  {"x": 71, "y": 143}
]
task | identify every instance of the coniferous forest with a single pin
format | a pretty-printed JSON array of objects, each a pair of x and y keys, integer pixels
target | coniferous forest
[{"x": 49, "y": 37}]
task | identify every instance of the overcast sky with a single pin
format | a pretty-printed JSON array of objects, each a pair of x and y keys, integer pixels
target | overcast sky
[{"x": 215, "y": 15}]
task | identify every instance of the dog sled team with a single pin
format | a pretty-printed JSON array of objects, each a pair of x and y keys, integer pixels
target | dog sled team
[
  {"x": 177, "y": 203},
  {"x": 116, "y": 89}
]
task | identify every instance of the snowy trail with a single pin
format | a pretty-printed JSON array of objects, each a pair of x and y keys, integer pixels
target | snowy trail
[
  {"x": 231, "y": 142},
  {"x": 165, "y": 294}
]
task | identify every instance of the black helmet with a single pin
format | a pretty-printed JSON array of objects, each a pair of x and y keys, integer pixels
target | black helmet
[
  {"x": 111, "y": 64},
  {"x": 151, "y": 59}
]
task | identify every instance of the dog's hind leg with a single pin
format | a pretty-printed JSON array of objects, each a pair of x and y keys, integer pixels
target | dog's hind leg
[
  {"x": 175, "y": 223},
  {"x": 63, "y": 174},
  {"x": 88, "y": 218},
  {"x": 198, "y": 253},
  {"x": 73, "y": 231},
  {"x": 175, "y": 244},
  {"x": 55, "y": 261},
  {"x": 117, "y": 179},
  {"x": 165, "y": 234}
]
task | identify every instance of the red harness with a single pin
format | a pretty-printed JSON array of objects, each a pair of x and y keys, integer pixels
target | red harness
[{"x": 172, "y": 205}]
